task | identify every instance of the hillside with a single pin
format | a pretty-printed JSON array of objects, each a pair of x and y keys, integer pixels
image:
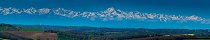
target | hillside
[
  {"x": 8, "y": 27},
  {"x": 92, "y": 33}
]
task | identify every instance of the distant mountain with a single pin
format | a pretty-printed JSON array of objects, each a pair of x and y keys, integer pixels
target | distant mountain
[{"x": 60, "y": 28}]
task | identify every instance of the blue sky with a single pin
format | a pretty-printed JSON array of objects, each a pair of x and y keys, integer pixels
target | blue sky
[{"x": 199, "y": 8}]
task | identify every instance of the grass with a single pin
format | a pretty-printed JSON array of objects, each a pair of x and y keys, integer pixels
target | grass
[{"x": 3, "y": 39}]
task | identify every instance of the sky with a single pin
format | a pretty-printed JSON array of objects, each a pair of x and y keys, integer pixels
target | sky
[{"x": 154, "y": 14}]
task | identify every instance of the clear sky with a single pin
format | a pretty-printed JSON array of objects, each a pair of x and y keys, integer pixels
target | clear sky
[{"x": 191, "y": 14}]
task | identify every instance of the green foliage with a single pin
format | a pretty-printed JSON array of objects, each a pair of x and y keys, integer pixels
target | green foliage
[
  {"x": 64, "y": 37},
  {"x": 31, "y": 30},
  {"x": 2, "y": 28},
  {"x": 8, "y": 27}
]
